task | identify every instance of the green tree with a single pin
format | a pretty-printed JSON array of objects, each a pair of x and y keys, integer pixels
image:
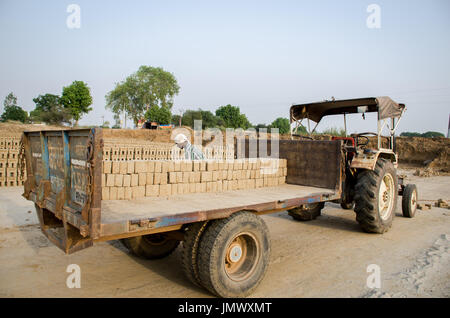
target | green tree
[
  {"x": 282, "y": 124},
  {"x": 209, "y": 120},
  {"x": 161, "y": 115},
  {"x": 12, "y": 111},
  {"x": 232, "y": 117},
  {"x": 410, "y": 134},
  {"x": 50, "y": 110},
  {"x": 142, "y": 90},
  {"x": 431, "y": 134},
  {"x": 77, "y": 99}
]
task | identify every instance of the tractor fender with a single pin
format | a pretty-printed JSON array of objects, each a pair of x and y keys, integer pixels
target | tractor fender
[{"x": 368, "y": 159}]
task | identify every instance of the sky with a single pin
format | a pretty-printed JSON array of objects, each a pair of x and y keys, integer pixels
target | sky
[{"x": 262, "y": 56}]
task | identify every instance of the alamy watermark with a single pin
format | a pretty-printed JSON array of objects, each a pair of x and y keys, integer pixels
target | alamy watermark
[
  {"x": 73, "y": 20},
  {"x": 374, "y": 19},
  {"x": 374, "y": 279},
  {"x": 74, "y": 279}
]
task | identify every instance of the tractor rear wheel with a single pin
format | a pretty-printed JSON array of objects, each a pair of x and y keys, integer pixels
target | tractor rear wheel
[{"x": 376, "y": 197}]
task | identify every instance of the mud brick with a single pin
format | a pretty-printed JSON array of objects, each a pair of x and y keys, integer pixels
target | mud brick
[
  {"x": 158, "y": 165},
  {"x": 157, "y": 178},
  {"x": 191, "y": 187},
  {"x": 138, "y": 192},
  {"x": 126, "y": 180},
  {"x": 225, "y": 165},
  {"x": 219, "y": 165},
  {"x": 197, "y": 176},
  {"x": 259, "y": 182},
  {"x": 123, "y": 167},
  {"x": 211, "y": 165},
  {"x": 179, "y": 177},
  {"x": 206, "y": 176},
  {"x": 113, "y": 193},
  {"x": 252, "y": 174},
  {"x": 4, "y": 154},
  {"x": 258, "y": 174},
  {"x": 185, "y": 187},
  {"x": 134, "y": 180},
  {"x": 219, "y": 186},
  {"x": 164, "y": 166},
  {"x": 107, "y": 166},
  {"x": 130, "y": 167},
  {"x": 115, "y": 167},
  {"x": 241, "y": 184},
  {"x": 225, "y": 185},
  {"x": 140, "y": 166},
  {"x": 105, "y": 193},
  {"x": 234, "y": 184},
  {"x": 103, "y": 178},
  {"x": 174, "y": 189},
  {"x": 170, "y": 166},
  {"x": 215, "y": 175},
  {"x": 118, "y": 180},
  {"x": 187, "y": 166},
  {"x": 128, "y": 194},
  {"x": 177, "y": 166},
  {"x": 224, "y": 174},
  {"x": 252, "y": 183},
  {"x": 191, "y": 176},
  {"x": 165, "y": 190},
  {"x": 150, "y": 166},
  {"x": 186, "y": 177},
  {"x": 172, "y": 177},
  {"x": 3, "y": 164},
  {"x": 198, "y": 187},
  {"x": 281, "y": 180},
  {"x": 229, "y": 175},
  {"x": 110, "y": 180},
  {"x": 163, "y": 179},
  {"x": 248, "y": 174},
  {"x": 266, "y": 181},
  {"x": 196, "y": 165},
  {"x": 152, "y": 190},
  {"x": 203, "y": 165},
  {"x": 149, "y": 178},
  {"x": 209, "y": 187},
  {"x": 244, "y": 164},
  {"x": 142, "y": 178},
  {"x": 120, "y": 193},
  {"x": 258, "y": 163},
  {"x": 284, "y": 171},
  {"x": 180, "y": 188},
  {"x": 203, "y": 187}
]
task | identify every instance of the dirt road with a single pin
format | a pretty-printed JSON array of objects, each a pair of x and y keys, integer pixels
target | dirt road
[{"x": 327, "y": 257}]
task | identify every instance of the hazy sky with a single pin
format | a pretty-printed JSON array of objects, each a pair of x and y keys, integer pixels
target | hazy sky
[{"x": 259, "y": 55}]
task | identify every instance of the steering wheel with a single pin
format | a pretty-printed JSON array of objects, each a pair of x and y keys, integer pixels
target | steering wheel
[{"x": 363, "y": 135}]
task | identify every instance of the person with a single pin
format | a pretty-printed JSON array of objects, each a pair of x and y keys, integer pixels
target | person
[{"x": 190, "y": 151}]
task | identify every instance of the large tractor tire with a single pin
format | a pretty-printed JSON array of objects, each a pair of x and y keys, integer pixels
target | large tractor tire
[
  {"x": 153, "y": 246},
  {"x": 409, "y": 201},
  {"x": 307, "y": 212},
  {"x": 189, "y": 251},
  {"x": 376, "y": 197},
  {"x": 347, "y": 206},
  {"x": 234, "y": 255}
]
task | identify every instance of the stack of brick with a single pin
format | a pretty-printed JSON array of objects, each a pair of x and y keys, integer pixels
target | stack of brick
[
  {"x": 9, "y": 162},
  {"x": 133, "y": 179}
]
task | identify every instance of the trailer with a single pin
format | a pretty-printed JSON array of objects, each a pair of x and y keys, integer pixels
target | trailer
[{"x": 225, "y": 244}]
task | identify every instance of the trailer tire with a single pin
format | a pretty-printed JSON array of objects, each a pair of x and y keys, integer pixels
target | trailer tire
[
  {"x": 376, "y": 197},
  {"x": 409, "y": 201},
  {"x": 307, "y": 212},
  {"x": 189, "y": 251},
  {"x": 152, "y": 246},
  {"x": 234, "y": 255},
  {"x": 347, "y": 206}
]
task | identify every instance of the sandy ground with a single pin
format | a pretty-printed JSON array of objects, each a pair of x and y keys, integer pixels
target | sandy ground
[{"x": 327, "y": 257}]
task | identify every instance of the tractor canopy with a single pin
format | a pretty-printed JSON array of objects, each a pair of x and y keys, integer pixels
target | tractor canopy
[{"x": 384, "y": 105}]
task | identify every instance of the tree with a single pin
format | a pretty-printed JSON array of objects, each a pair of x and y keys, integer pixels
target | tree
[
  {"x": 50, "y": 110},
  {"x": 12, "y": 111},
  {"x": 161, "y": 115},
  {"x": 432, "y": 134},
  {"x": 232, "y": 117},
  {"x": 142, "y": 90},
  {"x": 77, "y": 99},
  {"x": 209, "y": 120},
  {"x": 282, "y": 124}
]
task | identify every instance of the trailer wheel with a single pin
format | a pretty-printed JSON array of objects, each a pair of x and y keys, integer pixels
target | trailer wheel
[
  {"x": 376, "y": 197},
  {"x": 307, "y": 212},
  {"x": 234, "y": 255},
  {"x": 409, "y": 201},
  {"x": 151, "y": 246},
  {"x": 189, "y": 251}
]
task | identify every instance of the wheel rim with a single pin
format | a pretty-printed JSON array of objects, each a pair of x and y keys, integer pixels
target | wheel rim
[
  {"x": 386, "y": 196},
  {"x": 241, "y": 256},
  {"x": 413, "y": 202}
]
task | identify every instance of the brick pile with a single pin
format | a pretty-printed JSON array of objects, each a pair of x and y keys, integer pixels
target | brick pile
[
  {"x": 9, "y": 162},
  {"x": 134, "y": 179}
]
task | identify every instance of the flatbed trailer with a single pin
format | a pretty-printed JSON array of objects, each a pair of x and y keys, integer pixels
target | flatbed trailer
[{"x": 64, "y": 169}]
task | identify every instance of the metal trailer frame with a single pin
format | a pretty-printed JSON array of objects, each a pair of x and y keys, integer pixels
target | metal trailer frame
[{"x": 64, "y": 170}]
